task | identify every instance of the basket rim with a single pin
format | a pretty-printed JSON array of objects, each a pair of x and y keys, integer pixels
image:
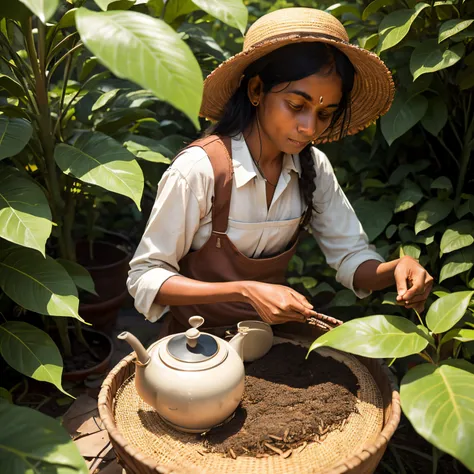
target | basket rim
[{"x": 106, "y": 415}]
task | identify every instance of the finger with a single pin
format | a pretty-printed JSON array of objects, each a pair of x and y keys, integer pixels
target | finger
[
  {"x": 302, "y": 299},
  {"x": 401, "y": 287},
  {"x": 306, "y": 312},
  {"x": 418, "y": 286}
]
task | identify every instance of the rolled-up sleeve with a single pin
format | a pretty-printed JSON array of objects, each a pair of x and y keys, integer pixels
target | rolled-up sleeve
[
  {"x": 173, "y": 222},
  {"x": 337, "y": 228}
]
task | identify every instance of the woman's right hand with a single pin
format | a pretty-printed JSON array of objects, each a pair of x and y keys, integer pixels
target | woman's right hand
[{"x": 277, "y": 304}]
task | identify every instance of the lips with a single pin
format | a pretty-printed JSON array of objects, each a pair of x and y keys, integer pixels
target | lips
[{"x": 297, "y": 143}]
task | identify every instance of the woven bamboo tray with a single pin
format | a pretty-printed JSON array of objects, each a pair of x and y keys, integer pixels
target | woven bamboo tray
[{"x": 166, "y": 451}]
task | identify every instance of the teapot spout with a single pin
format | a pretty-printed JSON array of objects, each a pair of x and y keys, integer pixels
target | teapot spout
[
  {"x": 142, "y": 355},
  {"x": 237, "y": 342}
]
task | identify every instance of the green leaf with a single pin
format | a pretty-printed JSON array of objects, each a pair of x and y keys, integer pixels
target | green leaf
[
  {"x": 374, "y": 216},
  {"x": 68, "y": 19},
  {"x": 11, "y": 86},
  {"x": 395, "y": 26},
  {"x": 29, "y": 438},
  {"x": 147, "y": 51},
  {"x": 459, "y": 334},
  {"x": 232, "y": 12},
  {"x": 296, "y": 264},
  {"x": 408, "y": 197},
  {"x": 31, "y": 352},
  {"x": 375, "y": 7},
  {"x": 442, "y": 182},
  {"x": 452, "y": 27},
  {"x": 390, "y": 298},
  {"x": 457, "y": 236},
  {"x": 430, "y": 57},
  {"x": 80, "y": 276},
  {"x": 432, "y": 212},
  {"x": 98, "y": 159},
  {"x": 439, "y": 403},
  {"x": 411, "y": 250},
  {"x": 5, "y": 396},
  {"x": 403, "y": 115},
  {"x": 139, "y": 144},
  {"x": 15, "y": 133},
  {"x": 458, "y": 262},
  {"x": 115, "y": 119},
  {"x": 343, "y": 298},
  {"x": 375, "y": 336},
  {"x": 43, "y": 9},
  {"x": 306, "y": 281},
  {"x": 465, "y": 78},
  {"x": 369, "y": 42},
  {"x": 104, "y": 99},
  {"x": 390, "y": 231},
  {"x": 25, "y": 216},
  {"x": 321, "y": 288},
  {"x": 436, "y": 115},
  {"x": 105, "y": 5},
  {"x": 446, "y": 311},
  {"x": 153, "y": 156},
  {"x": 38, "y": 284}
]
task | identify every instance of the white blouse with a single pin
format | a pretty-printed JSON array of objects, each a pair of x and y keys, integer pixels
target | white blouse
[{"x": 181, "y": 220}]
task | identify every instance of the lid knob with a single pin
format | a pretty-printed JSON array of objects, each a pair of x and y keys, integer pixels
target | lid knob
[{"x": 192, "y": 334}]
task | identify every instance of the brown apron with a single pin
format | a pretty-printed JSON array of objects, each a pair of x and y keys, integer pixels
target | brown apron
[{"x": 218, "y": 260}]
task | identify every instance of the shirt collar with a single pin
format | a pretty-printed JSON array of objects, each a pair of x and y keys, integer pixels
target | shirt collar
[{"x": 244, "y": 167}]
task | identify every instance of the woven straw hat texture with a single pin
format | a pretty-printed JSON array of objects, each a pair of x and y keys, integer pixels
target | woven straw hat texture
[
  {"x": 373, "y": 89},
  {"x": 181, "y": 453}
]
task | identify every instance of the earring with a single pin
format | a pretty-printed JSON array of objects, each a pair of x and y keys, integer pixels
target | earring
[
  {"x": 255, "y": 102},
  {"x": 321, "y": 100}
]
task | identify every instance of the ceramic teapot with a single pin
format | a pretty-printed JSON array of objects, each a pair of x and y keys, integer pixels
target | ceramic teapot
[{"x": 194, "y": 380}]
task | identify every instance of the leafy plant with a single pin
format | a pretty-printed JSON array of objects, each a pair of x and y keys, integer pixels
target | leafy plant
[
  {"x": 75, "y": 127},
  {"x": 436, "y": 396}
]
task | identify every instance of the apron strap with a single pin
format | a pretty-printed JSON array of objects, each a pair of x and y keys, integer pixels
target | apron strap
[{"x": 219, "y": 151}]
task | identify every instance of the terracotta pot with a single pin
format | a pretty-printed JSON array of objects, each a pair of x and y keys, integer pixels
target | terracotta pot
[
  {"x": 109, "y": 270},
  {"x": 100, "y": 368},
  {"x": 103, "y": 314}
]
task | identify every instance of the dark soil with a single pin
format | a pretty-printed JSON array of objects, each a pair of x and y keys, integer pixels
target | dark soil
[
  {"x": 288, "y": 401},
  {"x": 82, "y": 358}
]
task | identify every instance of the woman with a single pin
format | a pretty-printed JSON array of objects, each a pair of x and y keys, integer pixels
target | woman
[{"x": 229, "y": 209}]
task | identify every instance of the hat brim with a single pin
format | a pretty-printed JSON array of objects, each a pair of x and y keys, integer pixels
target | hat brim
[{"x": 371, "y": 95}]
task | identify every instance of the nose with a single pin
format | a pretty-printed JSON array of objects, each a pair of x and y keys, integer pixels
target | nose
[{"x": 310, "y": 127}]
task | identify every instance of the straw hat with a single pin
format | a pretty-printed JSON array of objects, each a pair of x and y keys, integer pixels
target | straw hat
[{"x": 373, "y": 89}]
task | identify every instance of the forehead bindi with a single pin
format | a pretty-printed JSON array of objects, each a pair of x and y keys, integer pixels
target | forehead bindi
[{"x": 313, "y": 87}]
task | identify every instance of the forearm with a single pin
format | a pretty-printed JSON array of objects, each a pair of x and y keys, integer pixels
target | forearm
[
  {"x": 375, "y": 275},
  {"x": 180, "y": 290}
]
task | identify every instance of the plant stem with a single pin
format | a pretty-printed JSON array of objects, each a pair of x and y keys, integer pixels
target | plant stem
[
  {"x": 58, "y": 47},
  {"x": 61, "y": 324},
  {"x": 62, "y": 58},
  {"x": 419, "y": 317},
  {"x": 448, "y": 150},
  {"x": 44, "y": 122}
]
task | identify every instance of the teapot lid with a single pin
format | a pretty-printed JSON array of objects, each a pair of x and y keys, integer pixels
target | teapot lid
[{"x": 193, "y": 346}]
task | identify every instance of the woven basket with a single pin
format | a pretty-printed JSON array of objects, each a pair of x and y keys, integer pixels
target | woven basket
[{"x": 135, "y": 461}]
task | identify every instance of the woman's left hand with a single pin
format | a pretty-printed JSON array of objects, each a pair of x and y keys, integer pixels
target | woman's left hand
[{"x": 413, "y": 282}]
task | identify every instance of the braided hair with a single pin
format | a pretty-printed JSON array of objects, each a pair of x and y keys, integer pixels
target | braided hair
[{"x": 284, "y": 65}]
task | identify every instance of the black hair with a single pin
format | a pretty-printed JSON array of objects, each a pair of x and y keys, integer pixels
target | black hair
[{"x": 286, "y": 64}]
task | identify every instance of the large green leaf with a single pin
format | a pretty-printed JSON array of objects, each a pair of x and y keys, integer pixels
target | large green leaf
[
  {"x": 439, "y": 402},
  {"x": 395, "y": 26},
  {"x": 38, "y": 284},
  {"x": 459, "y": 334},
  {"x": 31, "y": 352},
  {"x": 375, "y": 6},
  {"x": 15, "y": 133},
  {"x": 374, "y": 216},
  {"x": 446, "y": 311},
  {"x": 105, "y": 99},
  {"x": 451, "y": 27},
  {"x": 404, "y": 114},
  {"x": 375, "y": 336},
  {"x": 428, "y": 57},
  {"x": 457, "y": 262},
  {"x": 457, "y": 236},
  {"x": 98, "y": 159},
  {"x": 146, "y": 51},
  {"x": 432, "y": 212},
  {"x": 25, "y": 216},
  {"x": 408, "y": 197},
  {"x": 11, "y": 86},
  {"x": 43, "y": 9},
  {"x": 31, "y": 442},
  {"x": 80, "y": 276},
  {"x": 436, "y": 115},
  {"x": 231, "y": 12}
]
